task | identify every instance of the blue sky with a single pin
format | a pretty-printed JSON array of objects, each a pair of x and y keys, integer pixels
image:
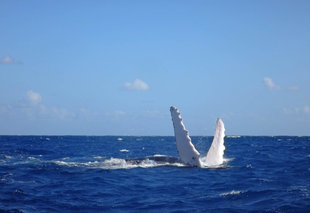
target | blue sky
[{"x": 115, "y": 67}]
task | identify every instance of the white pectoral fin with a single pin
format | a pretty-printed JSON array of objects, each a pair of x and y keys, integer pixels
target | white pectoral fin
[
  {"x": 187, "y": 152},
  {"x": 215, "y": 155}
]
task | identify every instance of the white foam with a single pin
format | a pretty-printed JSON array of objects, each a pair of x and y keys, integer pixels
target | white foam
[
  {"x": 233, "y": 192},
  {"x": 119, "y": 139},
  {"x": 159, "y": 155},
  {"x": 124, "y": 150},
  {"x": 114, "y": 163},
  {"x": 64, "y": 163},
  {"x": 31, "y": 158},
  {"x": 205, "y": 164},
  {"x": 249, "y": 166},
  {"x": 234, "y": 136},
  {"x": 147, "y": 163},
  {"x": 117, "y": 163}
]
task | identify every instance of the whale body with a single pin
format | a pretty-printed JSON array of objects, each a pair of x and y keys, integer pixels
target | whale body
[{"x": 187, "y": 151}]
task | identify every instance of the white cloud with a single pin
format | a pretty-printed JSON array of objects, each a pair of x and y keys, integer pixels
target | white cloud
[
  {"x": 273, "y": 86},
  {"x": 304, "y": 110},
  {"x": 33, "y": 97},
  {"x": 119, "y": 112},
  {"x": 115, "y": 113},
  {"x": 137, "y": 85},
  {"x": 270, "y": 84},
  {"x": 38, "y": 109},
  {"x": 293, "y": 88},
  {"x": 61, "y": 113},
  {"x": 153, "y": 113},
  {"x": 6, "y": 60},
  {"x": 9, "y": 60}
]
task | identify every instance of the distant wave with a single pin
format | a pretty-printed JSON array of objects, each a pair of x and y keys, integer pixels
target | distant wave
[
  {"x": 233, "y": 192},
  {"x": 118, "y": 163},
  {"x": 100, "y": 162}
]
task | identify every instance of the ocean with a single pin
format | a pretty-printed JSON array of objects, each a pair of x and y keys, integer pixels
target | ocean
[{"x": 121, "y": 174}]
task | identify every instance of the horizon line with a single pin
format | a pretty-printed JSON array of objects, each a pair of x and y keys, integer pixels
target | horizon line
[{"x": 76, "y": 135}]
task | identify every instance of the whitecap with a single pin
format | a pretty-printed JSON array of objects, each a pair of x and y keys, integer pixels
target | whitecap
[
  {"x": 159, "y": 155},
  {"x": 118, "y": 163},
  {"x": 233, "y": 192},
  {"x": 204, "y": 163},
  {"x": 64, "y": 163},
  {"x": 119, "y": 139},
  {"x": 147, "y": 163},
  {"x": 31, "y": 158},
  {"x": 249, "y": 166},
  {"x": 115, "y": 163},
  {"x": 65, "y": 158},
  {"x": 124, "y": 150},
  {"x": 234, "y": 136}
]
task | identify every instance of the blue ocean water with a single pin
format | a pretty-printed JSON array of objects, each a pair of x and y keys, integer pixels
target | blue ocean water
[{"x": 91, "y": 174}]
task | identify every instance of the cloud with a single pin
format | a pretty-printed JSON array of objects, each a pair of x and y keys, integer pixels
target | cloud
[
  {"x": 137, "y": 85},
  {"x": 119, "y": 112},
  {"x": 304, "y": 110},
  {"x": 54, "y": 112},
  {"x": 293, "y": 88},
  {"x": 115, "y": 113},
  {"x": 33, "y": 97},
  {"x": 270, "y": 84},
  {"x": 154, "y": 113},
  {"x": 273, "y": 86},
  {"x": 8, "y": 60}
]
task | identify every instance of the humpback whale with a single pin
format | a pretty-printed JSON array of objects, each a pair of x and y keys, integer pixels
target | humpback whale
[
  {"x": 188, "y": 155},
  {"x": 187, "y": 151}
]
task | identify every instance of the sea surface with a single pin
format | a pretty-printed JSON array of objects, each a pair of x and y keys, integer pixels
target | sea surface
[{"x": 99, "y": 174}]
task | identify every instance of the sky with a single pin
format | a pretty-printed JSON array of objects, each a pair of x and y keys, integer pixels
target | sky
[{"x": 115, "y": 67}]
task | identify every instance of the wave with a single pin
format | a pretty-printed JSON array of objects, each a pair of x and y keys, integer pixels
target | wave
[
  {"x": 99, "y": 162},
  {"x": 119, "y": 163},
  {"x": 204, "y": 163},
  {"x": 233, "y": 192},
  {"x": 233, "y": 136},
  {"x": 148, "y": 162}
]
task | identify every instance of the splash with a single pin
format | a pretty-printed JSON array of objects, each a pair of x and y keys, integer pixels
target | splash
[{"x": 119, "y": 163}]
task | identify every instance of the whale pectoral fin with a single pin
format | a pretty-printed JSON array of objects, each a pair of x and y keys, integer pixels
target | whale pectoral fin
[
  {"x": 215, "y": 155},
  {"x": 187, "y": 152}
]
